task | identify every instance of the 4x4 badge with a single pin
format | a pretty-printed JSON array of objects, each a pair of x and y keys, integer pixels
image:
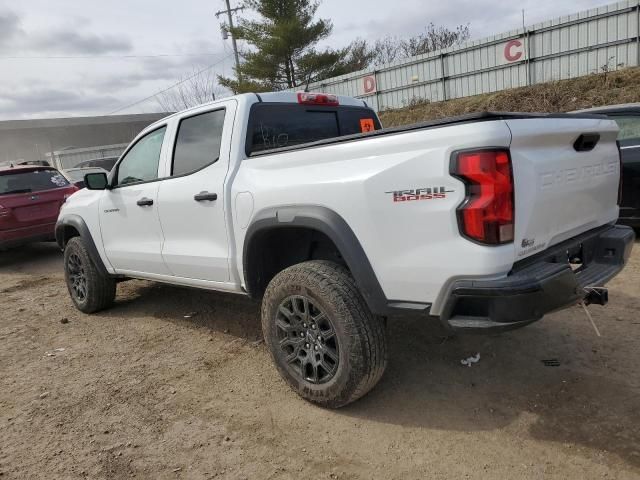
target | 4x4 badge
[{"x": 528, "y": 242}]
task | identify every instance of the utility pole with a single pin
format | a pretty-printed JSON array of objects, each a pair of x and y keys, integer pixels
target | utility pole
[
  {"x": 527, "y": 39},
  {"x": 230, "y": 11}
]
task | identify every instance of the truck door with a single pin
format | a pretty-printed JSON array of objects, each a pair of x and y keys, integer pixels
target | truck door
[
  {"x": 192, "y": 201},
  {"x": 129, "y": 221}
]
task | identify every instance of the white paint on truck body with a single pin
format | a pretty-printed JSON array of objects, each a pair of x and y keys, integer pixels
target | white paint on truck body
[{"x": 415, "y": 248}]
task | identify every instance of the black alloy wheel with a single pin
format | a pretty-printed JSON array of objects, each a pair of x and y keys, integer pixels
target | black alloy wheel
[
  {"x": 77, "y": 277},
  {"x": 307, "y": 339}
]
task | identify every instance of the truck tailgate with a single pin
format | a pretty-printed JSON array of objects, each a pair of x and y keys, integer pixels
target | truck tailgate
[{"x": 562, "y": 186}]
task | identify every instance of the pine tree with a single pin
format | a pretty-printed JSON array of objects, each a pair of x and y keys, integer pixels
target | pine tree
[{"x": 283, "y": 49}]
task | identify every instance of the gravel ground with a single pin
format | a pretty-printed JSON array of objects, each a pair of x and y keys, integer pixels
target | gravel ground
[{"x": 143, "y": 391}]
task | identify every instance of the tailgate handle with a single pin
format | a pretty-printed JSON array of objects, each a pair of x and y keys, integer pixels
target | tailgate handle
[{"x": 586, "y": 142}]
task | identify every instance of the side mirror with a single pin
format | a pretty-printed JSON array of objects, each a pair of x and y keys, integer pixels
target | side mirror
[{"x": 96, "y": 181}]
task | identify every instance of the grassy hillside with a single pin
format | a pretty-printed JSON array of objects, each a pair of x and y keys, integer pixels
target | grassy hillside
[{"x": 560, "y": 96}]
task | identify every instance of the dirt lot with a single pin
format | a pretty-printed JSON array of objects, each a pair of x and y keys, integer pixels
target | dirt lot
[{"x": 141, "y": 391}]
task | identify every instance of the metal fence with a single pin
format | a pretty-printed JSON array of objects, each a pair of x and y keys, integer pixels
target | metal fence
[
  {"x": 70, "y": 158},
  {"x": 566, "y": 47}
]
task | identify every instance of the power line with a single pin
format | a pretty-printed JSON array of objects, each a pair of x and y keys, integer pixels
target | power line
[
  {"x": 89, "y": 57},
  {"x": 171, "y": 86}
]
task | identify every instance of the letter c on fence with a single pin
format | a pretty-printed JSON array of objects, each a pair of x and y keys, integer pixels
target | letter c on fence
[{"x": 509, "y": 53}]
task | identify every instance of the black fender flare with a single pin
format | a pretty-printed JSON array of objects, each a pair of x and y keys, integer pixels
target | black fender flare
[
  {"x": 335, "y": 228},
  {"x": 80, "y": 225}
]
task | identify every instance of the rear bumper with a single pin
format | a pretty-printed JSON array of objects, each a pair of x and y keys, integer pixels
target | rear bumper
[
  {"x": 24, "y": 235},
  {"x": 540, "y": 284}
]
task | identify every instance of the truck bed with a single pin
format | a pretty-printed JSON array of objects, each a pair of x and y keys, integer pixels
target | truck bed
[{"x": 431, "y": 124}]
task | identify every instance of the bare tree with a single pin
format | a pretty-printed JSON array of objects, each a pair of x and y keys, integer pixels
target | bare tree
[
  {"x": 434, "y": 38},
  {"x": 389, "y": 49},
  {"x": 196, "y": 90}
]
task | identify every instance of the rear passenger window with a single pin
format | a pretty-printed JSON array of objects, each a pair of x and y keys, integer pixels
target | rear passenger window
[
  {"x": 31, "y": 181},
  {"x": 358, "y": 120},
  {"x": 198, "y": 142},
  {"x": 284, "y": 126},
  {"x": 274, "y": 125}
]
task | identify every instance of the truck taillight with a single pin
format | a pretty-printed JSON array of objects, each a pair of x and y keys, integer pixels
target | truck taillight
[
  {"x": 325, "y": 99},
  {"x": 4, "y": 211},
  {"x": 487, "y": 213}
]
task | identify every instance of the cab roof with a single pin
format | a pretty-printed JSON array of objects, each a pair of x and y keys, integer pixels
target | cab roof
[
  {"x": 292, "y": 97},
  {"x": 267, "y": 97}
]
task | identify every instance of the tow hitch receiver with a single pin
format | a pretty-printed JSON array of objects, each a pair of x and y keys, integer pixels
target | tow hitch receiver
[{"x": 596, "y": 296}]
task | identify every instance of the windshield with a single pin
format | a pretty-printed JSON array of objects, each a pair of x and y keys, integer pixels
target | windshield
[
  {"x": 279, "y": 125},
  {"x": 31, "y": 181},
  {"x": 77, "y": 175}
]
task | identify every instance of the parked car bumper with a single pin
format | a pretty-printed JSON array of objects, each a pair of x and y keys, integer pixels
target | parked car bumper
[
  {"x": 24, "y": 235},
  {"x": 541, "y": 284}
]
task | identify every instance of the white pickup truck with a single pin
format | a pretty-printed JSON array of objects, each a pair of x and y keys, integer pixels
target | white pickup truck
[{"x": 485, "y": 222}]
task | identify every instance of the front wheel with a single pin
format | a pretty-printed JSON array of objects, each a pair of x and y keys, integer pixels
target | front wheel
[
  {"x": 324, "y": 340},
  {"x": 90, "y": 290}
]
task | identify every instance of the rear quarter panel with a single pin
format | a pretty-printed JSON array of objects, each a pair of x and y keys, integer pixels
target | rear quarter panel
[{"x": 413, "y": 246}]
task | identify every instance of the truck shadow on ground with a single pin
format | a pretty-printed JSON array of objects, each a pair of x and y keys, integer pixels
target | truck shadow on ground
[
  {"x": 582, "y": 401},
  {"x": 578, "y": 402},
  {"x": 592, "y": 398}
]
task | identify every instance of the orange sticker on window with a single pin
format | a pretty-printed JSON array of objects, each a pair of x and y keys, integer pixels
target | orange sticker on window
[{"x": 367, "y": 125}]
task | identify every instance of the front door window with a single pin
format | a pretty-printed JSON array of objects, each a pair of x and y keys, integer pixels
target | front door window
[{"x": 140, "y": 164}]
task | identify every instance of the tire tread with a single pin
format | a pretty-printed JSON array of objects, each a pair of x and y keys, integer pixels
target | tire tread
[
  {"x": 368, "y": 330},
  {"x": 101, "y": 288}
]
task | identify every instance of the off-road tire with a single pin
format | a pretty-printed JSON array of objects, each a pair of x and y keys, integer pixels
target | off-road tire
[
  {"x": 360, "y": 335},
  {"x": 99, "y": 289}
]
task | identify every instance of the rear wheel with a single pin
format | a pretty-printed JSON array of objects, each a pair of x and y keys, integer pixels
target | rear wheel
[
  {"x": 90, "y": 290},
  {"x": 324, "y": 340}
]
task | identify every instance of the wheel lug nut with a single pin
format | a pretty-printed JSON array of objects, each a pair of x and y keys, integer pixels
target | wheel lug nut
[
  {"x": 319, "y": 338},
  {"x": 302, "y": 334},
  {"x": 316, "y": 347},
  {"x": 306, "y": 345},
  {"x": 304, "y": 325}
]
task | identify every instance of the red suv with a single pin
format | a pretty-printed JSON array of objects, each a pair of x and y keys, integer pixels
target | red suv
[{"x": 30, "y": 199}]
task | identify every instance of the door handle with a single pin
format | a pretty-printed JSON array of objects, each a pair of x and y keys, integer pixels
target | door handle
[
  {"x": 145, "y": 202},
  {"x": 205, "y": 197}
]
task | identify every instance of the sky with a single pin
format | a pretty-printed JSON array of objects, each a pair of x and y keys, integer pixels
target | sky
[{"x": 69, "y": 58}]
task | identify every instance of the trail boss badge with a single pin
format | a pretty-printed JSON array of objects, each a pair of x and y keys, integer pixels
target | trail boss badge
[{"x": 427, "y": 193}]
